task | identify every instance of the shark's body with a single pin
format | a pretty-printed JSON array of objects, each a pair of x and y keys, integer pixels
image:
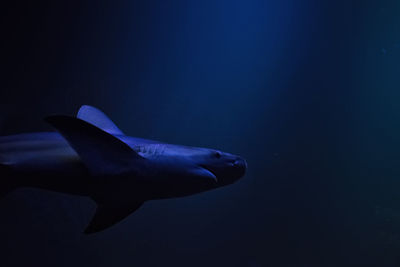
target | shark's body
[{"x": 90, "y": 156}]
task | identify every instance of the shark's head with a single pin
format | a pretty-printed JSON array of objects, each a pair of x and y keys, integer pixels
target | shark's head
[
  {"x": 227, "y": 168},
  {"x": 205, "y": 165},
  {"x": 218, "y": 167}
]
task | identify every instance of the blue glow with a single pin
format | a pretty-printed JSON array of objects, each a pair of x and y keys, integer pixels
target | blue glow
[{"x": 306, "y": 91}]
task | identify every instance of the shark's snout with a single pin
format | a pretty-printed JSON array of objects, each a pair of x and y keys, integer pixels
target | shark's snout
[{"x": 240, "y": 165}]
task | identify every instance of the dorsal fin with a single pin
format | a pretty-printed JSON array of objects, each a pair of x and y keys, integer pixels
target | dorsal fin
[
  {"x": 102, "y": 153},
  {"x": 97, "y": 117}
]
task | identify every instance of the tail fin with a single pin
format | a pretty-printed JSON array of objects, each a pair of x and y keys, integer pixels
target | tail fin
[{"x": 6, "y": 184}]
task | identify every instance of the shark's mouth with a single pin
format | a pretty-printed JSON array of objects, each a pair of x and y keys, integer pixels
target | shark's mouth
[
  {"x": 209, "y": 169},
  {"x": 228, "y": 173}
]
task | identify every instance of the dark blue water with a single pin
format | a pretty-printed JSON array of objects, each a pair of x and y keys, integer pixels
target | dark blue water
[{"x": 306, "y": 91}]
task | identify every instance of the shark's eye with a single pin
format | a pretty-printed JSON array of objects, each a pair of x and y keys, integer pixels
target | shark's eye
[{"x": 217, "y": 154}]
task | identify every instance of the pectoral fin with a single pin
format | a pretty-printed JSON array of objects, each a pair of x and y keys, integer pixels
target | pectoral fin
[
  {"x": 108, "y": 215},
  {"x": 102, "y": 153}
]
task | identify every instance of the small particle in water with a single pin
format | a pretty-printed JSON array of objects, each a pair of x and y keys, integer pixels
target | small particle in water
[{"x": 383, "y": 51}]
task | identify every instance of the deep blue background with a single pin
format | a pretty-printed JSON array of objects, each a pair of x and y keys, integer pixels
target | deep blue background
[{"x": 307, "y": 91}]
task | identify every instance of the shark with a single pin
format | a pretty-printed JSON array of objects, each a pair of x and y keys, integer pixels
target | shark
[{"x": 88, "y": 155}]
